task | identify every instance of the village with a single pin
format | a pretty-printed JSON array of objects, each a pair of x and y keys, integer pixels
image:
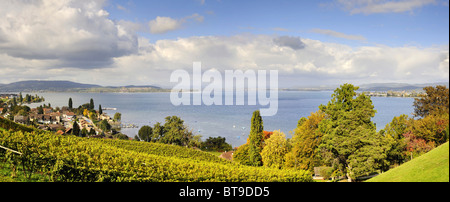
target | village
[{"x": 89, "y": 122}]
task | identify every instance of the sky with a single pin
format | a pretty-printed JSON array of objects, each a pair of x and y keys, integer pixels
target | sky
[{"x": 310, "y": 43}]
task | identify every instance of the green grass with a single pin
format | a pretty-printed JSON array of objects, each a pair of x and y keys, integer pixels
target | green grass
[{"x": 430, "y": 167}]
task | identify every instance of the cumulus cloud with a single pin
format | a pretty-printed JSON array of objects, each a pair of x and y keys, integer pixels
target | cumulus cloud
[
  {"x": 310, "y": 62},
  {"x": 47, "y": 39},
  {"x": 162, "y": 25},
  {"x": 73, "y": 33}
]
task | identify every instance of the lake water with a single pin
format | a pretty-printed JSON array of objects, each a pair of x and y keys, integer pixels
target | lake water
[{"x": 232, "y": 122}]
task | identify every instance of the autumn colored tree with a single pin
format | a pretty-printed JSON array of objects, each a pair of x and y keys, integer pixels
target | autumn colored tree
[
  {"x": 275, "y": 150},
  {"x": 416, "y": 146},
  {"x": 436, "y": 101},
  {"x": 305, "y": 142}
]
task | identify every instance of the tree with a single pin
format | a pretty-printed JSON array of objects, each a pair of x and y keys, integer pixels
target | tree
[
  {"x": 75, "y": 129},
  {"x": 216, "y": 144},
  {"x": 241, "y": 155},
  {"x": 91, "y": 104},
  {"x": 100, "y": 110},
  {"x": 275, "y": 150},
  {"x": 435, "y": 102},
  {"x": 305, "y": 143},
  {"x": 145, "y": 133},
  {"x": 158, "y": 132},
  {"x": 256, "y": 139},
  {"x": 174, "y": 132},
  {"x": 70, "y": 103},
  {"x": 104, "y": 125},
  {"x": 393, "y": 135},
  {"x": 117, "y": 116},
  {"x": 350, "y": 135},
  {"x": 84, "y": 132}
]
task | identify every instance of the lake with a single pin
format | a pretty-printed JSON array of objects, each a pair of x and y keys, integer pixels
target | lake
[{"x": 231, "y": 122}]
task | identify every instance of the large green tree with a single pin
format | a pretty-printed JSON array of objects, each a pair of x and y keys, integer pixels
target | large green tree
[
  {"x": 175, "y": 132},
  {"x": 350, "y": 140},
  {"x": 256, "y": 139}
]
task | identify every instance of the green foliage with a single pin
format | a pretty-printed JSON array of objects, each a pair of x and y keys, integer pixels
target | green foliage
[
  {"x": 256, "y": 139},
  {"x": 241, "y": 155},
  {"x": 74, "y": 159},
  {"x": 100, "y": 110},
  {"x": 350, "y": 141},
  {"x": 435, "y": 102},
  {"x": 91, "y": 104},
  {"x": 75, "y": 129},
  {"x": 104, "y": 125},
  {"x": 175, "y": 132},
  {"x": 70, "y": 104},
  {"x": 216, "y": 144},
  {"x": 275, "y": 150},
  {"x": 305, "y": 142},
  {"x": 145, "y": 133},
  {"x": 430, "y": 167},
  {"x": 117, "y": 116}
]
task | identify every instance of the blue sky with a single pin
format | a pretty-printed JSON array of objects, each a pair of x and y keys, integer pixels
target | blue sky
[
  {"x": 310, "y": 43},
  {"x": 423, "y": 26}
]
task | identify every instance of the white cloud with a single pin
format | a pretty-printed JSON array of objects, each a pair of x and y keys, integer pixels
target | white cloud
[
  {"x": 382, "y": 6},
  {"x": 76, "y": 40},
  {"x": 162, "y": 25},
  {"x": 316, "y": 63},
  {"x": 75, "y": 33}
]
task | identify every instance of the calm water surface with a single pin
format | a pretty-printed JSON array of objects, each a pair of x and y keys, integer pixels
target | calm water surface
[{"x": 232, "y": 122}]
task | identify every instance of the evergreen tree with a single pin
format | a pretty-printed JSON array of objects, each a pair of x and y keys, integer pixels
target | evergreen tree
[
  {"x": 256, "y": 139},
  {"x": 70, "y": 103},
  {"x": 91, "y": 104},
  {"x": 75, "y": 129},
  {"x": 350, "y": 141},
  {"x": 100, "y": 110}
]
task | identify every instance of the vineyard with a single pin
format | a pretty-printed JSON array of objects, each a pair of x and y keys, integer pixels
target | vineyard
[{"x": 75, "y": 159}]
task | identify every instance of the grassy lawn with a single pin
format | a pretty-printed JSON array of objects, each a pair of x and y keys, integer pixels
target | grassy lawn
[{"x": 430, "y": 167}]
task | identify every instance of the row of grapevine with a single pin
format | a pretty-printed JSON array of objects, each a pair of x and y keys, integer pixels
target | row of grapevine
[
  {"x": 165, "y": 150},
  {"x": 70, "y": 158}
]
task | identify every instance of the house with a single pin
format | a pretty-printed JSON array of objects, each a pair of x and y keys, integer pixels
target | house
[
  {"x": 69, "y": 115},
  {"x": 21, "y": 119}
]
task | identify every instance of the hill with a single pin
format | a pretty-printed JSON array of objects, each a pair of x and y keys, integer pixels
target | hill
[
  {"x": 34, "y": 85},
  {"x": 430, "y": 167},
  {"x": 69, "y": 86},
  {"x": 75, "y": 159},
  {"x": 397, "y": 86}
]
